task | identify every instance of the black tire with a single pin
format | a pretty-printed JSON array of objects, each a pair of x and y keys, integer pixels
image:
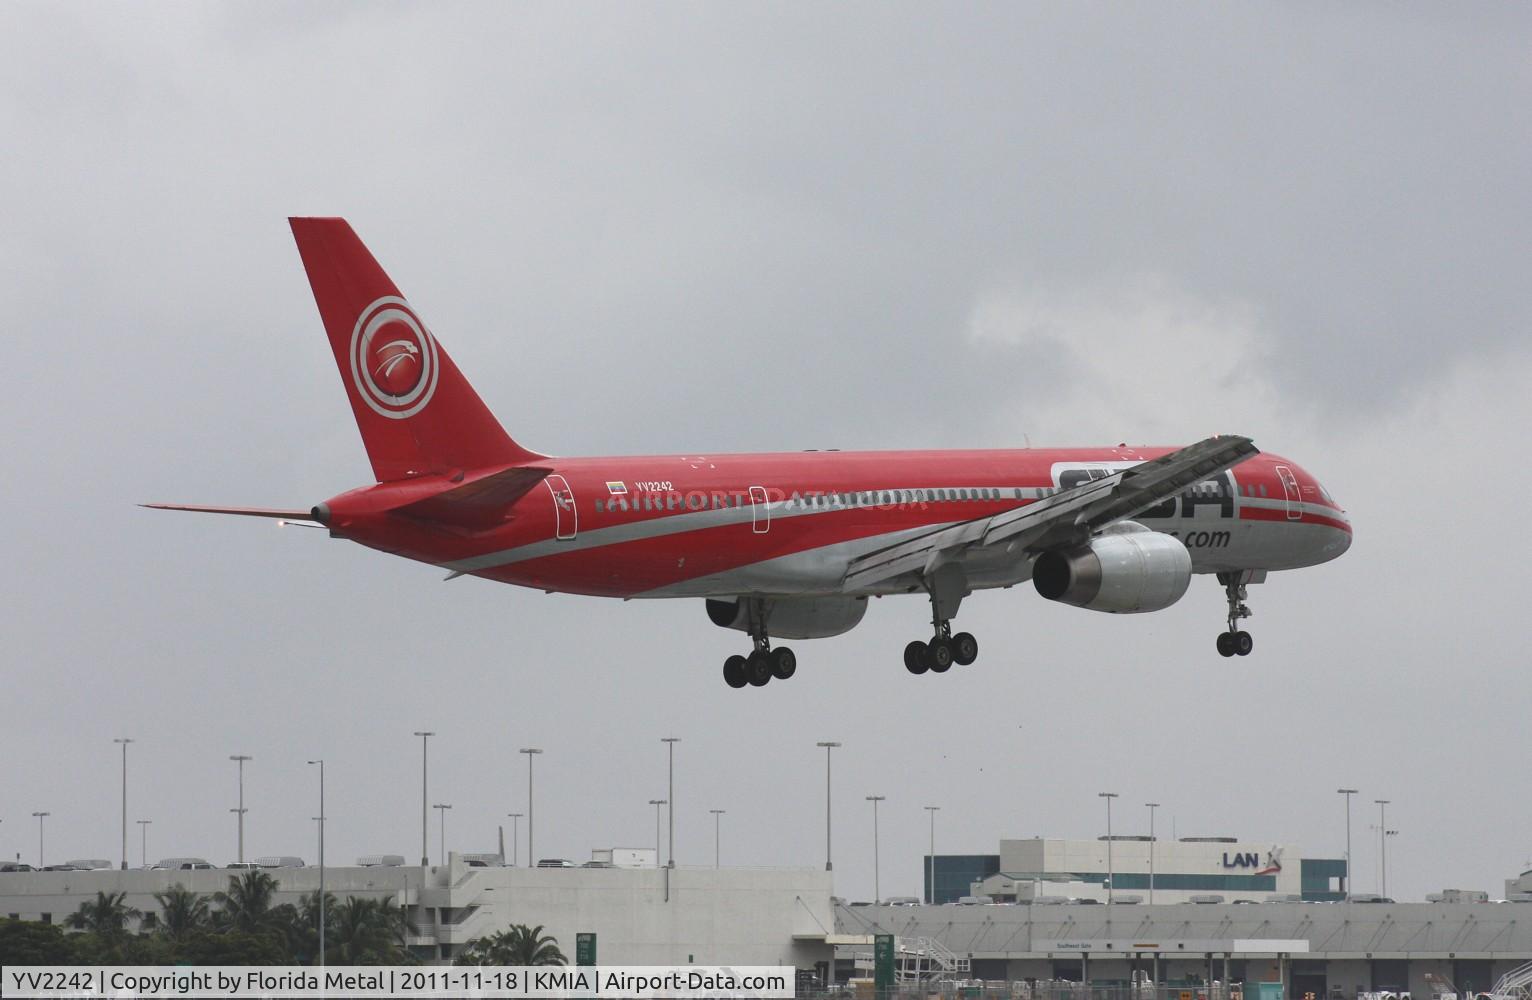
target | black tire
[
  {"x": 784, "y": 663},
  {"x": 965, "y": 649},
  {"x": 939, "y": 655},
  {"x": 758, "y": 668},
  {"x": 915, "y": 657},
  {"x": 1243, "y": 643},
  {"x": 1226, "y": 644},
  {"x": 734, "y": 672}
]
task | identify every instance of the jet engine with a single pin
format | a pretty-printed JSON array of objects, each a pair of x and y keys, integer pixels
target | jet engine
[
  {"x": 1124, "y": 570},
  {"x": 792, "y": 617}
]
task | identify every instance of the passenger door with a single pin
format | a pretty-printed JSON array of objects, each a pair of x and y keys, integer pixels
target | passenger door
[
  {"x": 760, "y": 510},
  {"x": 1290, "y": 491},
  {"x": 566, "y": 517}
]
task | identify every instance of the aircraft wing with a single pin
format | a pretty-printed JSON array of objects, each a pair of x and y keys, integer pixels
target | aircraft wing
[{"x": 1068, "y": 516}]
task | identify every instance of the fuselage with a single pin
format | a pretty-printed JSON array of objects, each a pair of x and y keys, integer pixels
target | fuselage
[{"x": 790, "y": 523}]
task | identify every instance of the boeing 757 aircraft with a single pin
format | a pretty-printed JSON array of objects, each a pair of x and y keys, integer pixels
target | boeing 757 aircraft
[{"x": 785, "y": 545}]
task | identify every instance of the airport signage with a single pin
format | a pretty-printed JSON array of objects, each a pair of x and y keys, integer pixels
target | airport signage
[{"x": 1252, "y": 860}]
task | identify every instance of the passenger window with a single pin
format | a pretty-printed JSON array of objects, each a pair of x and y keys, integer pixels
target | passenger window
[{"x": 600, "y": 506}]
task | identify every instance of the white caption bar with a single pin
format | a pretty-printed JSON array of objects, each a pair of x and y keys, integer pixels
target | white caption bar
[{"x": 281, "y": 982}]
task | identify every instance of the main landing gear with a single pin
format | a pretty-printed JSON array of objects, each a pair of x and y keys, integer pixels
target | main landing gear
[
  {"x": 947, "y": 586},
  {"x": 760, "y": 666},
  {"x": 1235, "y": 642},
  {"x": 941, "y": 652}
]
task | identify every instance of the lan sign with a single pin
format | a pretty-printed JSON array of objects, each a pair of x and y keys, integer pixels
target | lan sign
[{"x": 1252, "y": 859}]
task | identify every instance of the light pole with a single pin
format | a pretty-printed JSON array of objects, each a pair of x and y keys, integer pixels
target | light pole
[
  {"x": 1152, "y": 807},
  {"x": 441, "y": 810},
  {"x": 531, "y": 854},
  {"x": 515, "y": 839},
  {"x": 656, "y": 803},
  {"x": 828, "y": 745},
  {"x": 124, "y": 741},
  {"x": 425, "y": 854},
  {"x": 240, "y": 759},
  {"x": 931, "y": 882},
  {"x": 877, "y": 892},
  {"x": 1382, "y": 805},
  {"x": 1346, "y": 879},
  {"x": 670, "y": 746},
  {"x": 717, "y": 837},
  {"x": 143, "y": 847},
  {"x": 40, "y": 816},
  {"x": 1109, "y": 796},
  {"x": 320, "y": 818}
]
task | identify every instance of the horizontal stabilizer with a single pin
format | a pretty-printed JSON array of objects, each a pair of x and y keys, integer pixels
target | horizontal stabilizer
[
  {"x": 480, "y": 504},
  {"x": 286, "y": 515}
]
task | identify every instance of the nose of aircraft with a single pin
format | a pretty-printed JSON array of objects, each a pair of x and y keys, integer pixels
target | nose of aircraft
[{"x": 1338, "y": 539}]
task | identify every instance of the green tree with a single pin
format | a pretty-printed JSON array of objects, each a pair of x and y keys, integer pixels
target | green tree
[
  {"x": 356, "y": 935},
  {"x": 231, "y": 948},
  {"x": 32, "y": 942},
  {"x": 106, "y": 916},
  {"x": 399, "y": 927},
  {"x": 246, "y": 904},
  {"x": 182, "y": 912},
  {"x": 516, "y": 946}
]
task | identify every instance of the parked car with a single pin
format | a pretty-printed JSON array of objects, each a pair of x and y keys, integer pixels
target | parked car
[
  {"x": 16, "y": 866},
  {"x": 556, "y": 863}
]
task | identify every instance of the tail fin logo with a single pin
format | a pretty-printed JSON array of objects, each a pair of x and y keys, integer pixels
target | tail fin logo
[{"x": 394, "y": 363}]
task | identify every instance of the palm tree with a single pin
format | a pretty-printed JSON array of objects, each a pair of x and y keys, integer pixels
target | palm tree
[
  {"x": 107, "y": 915},
  {"x": 355, "y": 933},
  {"x": 396, "y": 922},
  {"x": 246, "y": 905},
  {"x": 519, "y": 945},
  {"x": 182, "y": 912},
  {"x": 300, "y": 924}
]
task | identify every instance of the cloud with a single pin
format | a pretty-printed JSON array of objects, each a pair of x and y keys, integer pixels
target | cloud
[{"x": 1134, "y": 359}]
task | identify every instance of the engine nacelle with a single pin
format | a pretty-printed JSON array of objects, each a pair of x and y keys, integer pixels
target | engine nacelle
[
  {"x": 1124, "y": 570},
  {"x": 793, "y": 617}
]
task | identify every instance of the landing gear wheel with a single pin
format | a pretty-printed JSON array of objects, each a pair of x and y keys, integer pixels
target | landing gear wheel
[
  {"x": 734, "y": 672},
  {"x": 1226, "y": 644},
  {"x": 783, "y": 663},
  {"x": 1243, "y": 643},
  {"x": 915, "y": 657},
  {"x": 939, "y": 654},
  {"x": 965, "y": 649},
  {"x": 758, "y": 668}
]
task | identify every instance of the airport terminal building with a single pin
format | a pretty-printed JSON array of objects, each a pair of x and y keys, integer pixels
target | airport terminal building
[
  {"x": 1132, "y": 869},
  {"x": 1063, "y": 944}
]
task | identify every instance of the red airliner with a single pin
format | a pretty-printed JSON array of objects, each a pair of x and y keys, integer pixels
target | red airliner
[{"x": 787, "y": 545}]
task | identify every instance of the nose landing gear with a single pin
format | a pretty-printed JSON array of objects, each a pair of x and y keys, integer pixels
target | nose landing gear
[{"x": 1235, "y": 642}]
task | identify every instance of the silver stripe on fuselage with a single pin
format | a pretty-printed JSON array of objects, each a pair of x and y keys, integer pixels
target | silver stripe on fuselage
[{"x": 699, "y": 520}]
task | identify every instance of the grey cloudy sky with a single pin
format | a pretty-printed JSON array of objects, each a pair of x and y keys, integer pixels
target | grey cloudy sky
[{"x": 704, "y": 228}]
